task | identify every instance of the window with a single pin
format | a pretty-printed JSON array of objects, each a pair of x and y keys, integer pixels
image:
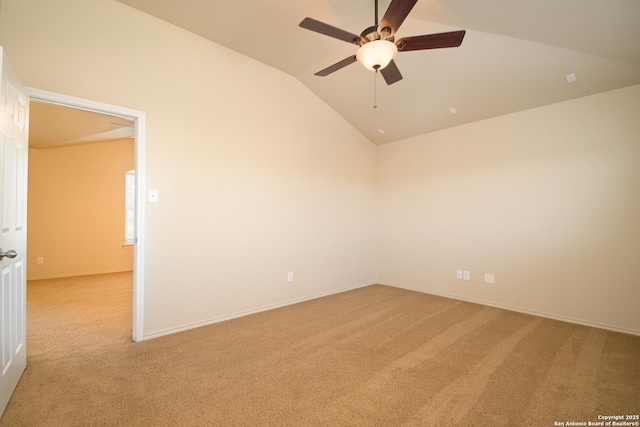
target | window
[{"x": 130, "y": 208}]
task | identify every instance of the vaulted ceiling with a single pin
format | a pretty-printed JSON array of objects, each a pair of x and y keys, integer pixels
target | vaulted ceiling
[{"x": 516, "y": 55}]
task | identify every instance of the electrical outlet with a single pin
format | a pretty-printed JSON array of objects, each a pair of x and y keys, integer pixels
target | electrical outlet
[
  {"x": 466, "y": 275},
  {"x": 290, "y": 277},
  {"x": 40, "y": 260},
  {"x": 489, "y": 278},
  {"x": 458, "y": 274}
]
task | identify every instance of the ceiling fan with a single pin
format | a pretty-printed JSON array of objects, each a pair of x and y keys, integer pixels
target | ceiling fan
[{"x": 377, "y": 43}]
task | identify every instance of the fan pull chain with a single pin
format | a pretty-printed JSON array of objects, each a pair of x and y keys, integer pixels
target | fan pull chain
[{"x": 375, "y": 90}]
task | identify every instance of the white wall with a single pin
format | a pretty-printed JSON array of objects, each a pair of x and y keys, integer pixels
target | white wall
[
  {"x": 547, "y": 199},
  {"x": 256, "y": 176}
]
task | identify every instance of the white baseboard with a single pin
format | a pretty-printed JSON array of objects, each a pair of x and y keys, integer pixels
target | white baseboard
[
  {"x": 522, "y": 310},
  {"x": 85, "y": 273},
  {"x": 212, "y": 321}
]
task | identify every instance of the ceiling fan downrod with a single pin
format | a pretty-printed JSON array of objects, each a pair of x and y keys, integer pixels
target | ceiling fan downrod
[{"x": 376, "y": 12}]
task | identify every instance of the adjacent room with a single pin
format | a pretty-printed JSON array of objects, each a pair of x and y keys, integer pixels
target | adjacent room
[
  {"x": 78, "y": 216},
  {"x": 452, "y": 239}
]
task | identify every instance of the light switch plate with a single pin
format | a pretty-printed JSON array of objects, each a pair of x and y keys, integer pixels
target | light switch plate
[{"x": 153, "y": 196}]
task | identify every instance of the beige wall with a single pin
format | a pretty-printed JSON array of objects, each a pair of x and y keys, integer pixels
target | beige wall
[
  {"x": 548, "y": 200},
  {"x": 256, "y": 176},
  {"x": 76, "y": 209}
]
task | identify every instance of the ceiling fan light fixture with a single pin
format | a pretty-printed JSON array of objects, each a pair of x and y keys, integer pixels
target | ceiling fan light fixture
[{"x": 377, "y": 54}]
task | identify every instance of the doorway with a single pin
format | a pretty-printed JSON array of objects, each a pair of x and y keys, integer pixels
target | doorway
[{"x": 137, "y": 120}]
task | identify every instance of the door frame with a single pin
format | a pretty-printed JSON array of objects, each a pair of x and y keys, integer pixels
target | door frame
[{"x": 139, "y": 118}]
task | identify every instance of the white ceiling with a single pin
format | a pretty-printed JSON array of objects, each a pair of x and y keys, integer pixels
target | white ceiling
[{"x": 515, "y": 55}]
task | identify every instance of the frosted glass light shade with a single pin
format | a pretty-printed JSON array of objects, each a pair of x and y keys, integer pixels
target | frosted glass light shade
[{"x": 376, "y": 54}]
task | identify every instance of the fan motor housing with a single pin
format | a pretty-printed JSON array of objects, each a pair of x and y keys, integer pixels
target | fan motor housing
[{"x": 371, "y": 34}]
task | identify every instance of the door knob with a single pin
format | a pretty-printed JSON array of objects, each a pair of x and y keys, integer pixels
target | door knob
[{"x": 8, "y": 254}]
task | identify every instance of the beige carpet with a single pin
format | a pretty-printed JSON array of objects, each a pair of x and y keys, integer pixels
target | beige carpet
[{"x": 376, "y": 356}]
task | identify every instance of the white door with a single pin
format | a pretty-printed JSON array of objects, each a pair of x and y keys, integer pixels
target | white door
[{"x": 14, "y": 126}]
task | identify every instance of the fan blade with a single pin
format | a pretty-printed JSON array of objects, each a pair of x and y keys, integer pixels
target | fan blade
[
  {"x": 328, "y": 30},
  {"x": 337, "y": 66},
  {"x": 391, "y": 73},
  {"x": 431, "y": 41},
  {"x": 395, "y": 15}
]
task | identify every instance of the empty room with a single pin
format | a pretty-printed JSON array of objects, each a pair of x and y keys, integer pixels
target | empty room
[{"x": 448, "y": 235}]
